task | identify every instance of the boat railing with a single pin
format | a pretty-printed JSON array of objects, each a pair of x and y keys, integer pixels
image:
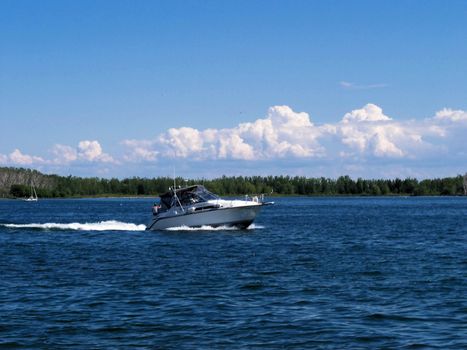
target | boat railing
[{"x": 255, "y": 198}]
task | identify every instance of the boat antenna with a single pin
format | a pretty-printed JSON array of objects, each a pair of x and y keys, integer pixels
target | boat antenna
[{"x": 175, "y": 192}]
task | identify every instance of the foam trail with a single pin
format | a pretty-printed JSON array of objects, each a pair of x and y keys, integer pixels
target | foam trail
[
  {"x": 255, "y": 227},
  {"x": 110, "y": 225},
  {"x": 211, "y": 228}
]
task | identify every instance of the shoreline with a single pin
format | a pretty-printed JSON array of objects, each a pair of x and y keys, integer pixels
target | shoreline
[{"x": 242, "y": 196}]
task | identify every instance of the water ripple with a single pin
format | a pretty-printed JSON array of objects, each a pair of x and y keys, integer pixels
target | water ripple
[{"x": 357, "y": 273}]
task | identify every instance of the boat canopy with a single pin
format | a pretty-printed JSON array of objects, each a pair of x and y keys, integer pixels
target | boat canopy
[{"x": 186, "y": 196}]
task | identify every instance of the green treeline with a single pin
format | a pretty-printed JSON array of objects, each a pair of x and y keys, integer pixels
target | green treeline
[{"x": 16, "y": 183}]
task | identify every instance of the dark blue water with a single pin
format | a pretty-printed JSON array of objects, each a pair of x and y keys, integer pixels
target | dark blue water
[{"x": 329, "y": 273}]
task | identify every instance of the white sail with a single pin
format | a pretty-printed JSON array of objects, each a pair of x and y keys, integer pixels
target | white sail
[{"x": 33, "y": 197}]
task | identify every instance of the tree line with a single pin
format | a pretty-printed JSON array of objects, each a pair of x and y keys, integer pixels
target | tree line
[{"x": 16, "y": 182}]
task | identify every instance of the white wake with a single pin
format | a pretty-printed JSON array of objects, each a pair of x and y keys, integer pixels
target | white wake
[
  {"x": 110, "y": 225},
  {"x": 211, "y": 228}
]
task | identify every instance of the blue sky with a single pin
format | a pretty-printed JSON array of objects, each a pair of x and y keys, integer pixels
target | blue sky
[{"x": 123, "y": 88}]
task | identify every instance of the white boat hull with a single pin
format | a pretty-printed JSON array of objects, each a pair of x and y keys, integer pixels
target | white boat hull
[{"x": 240, "y": 216}]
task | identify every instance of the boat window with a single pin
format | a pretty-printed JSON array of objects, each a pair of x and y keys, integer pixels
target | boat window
[
  {"x": 205, "y": 195},
  {"x": 195, "y": 195},
  {"x": 187, "y": 196}
]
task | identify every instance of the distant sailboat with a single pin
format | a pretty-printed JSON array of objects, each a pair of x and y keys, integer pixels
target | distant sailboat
[{"x": 33, "y": 196}]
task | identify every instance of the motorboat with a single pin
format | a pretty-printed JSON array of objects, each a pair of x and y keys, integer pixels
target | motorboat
[{"x": 195, "y": 206}]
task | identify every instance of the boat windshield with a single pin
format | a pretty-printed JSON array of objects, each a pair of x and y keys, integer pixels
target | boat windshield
[
  {"x": 194, "y": 195},
  {"x": 187, "y": 196}
]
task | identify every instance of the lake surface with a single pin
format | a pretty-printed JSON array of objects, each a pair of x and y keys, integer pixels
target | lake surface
[{"x": 360, "y": 273}]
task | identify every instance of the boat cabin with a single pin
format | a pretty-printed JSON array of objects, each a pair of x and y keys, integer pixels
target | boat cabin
[{"x": 186, "y": 196}]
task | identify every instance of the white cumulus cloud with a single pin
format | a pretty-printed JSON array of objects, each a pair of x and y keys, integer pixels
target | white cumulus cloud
[
  {"x": 140, "y": 150},
  {"x": 363, "y": 138},
  {"x": 92, "y": 151},
  {"x": 16, "y": 157},
  {"x": 369, "y": 130},
  {"x": 282, "y": 133},
  {"x": 451, "y": 115},
  {"x": 183, "y": 142},
  {"x": 64, "y": 154},
  {"x": 86, "y": 151},
  {"x": 369, "y": 113},
  {"x": 362, "y": 133}
]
